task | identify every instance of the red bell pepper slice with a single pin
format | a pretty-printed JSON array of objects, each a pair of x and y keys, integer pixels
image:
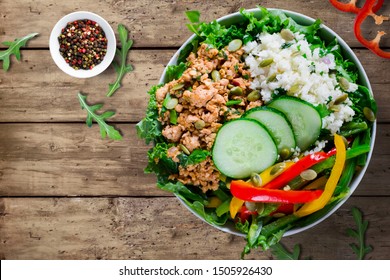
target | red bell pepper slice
[
  {"x": 296, "y": 169},
  {"x": 285, "y": 208},
  {"x": 373, "y": 45},
  {"x": 351, "y": 6},
  {"x": 244, "y": 214},
  {"x": 246, "y": 191}
]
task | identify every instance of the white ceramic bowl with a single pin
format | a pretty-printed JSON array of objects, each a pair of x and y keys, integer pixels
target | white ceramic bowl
[
  {"x": 55, "y": 46},
  {"x": 328, "y": 35}
]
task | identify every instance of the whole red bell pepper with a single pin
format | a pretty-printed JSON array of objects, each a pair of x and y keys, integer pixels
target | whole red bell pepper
[
  {"x": 247, "y": 192},
  {"x": 297, "y": 168}
]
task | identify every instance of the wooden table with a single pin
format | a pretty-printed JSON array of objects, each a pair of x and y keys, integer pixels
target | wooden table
[{"x": 67, "y": 194}]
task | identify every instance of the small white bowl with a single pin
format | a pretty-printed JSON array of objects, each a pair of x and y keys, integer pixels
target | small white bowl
[{"x": 55, "y": 46}]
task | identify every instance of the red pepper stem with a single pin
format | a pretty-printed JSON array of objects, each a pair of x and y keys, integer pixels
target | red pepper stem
[{"x": 296, "y": 169}]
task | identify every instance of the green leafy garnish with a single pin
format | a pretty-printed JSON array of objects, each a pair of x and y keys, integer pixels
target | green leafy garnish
[
  {"x": 174, "y": 72},
  {"x": 14, "y": 48},
  {"x": 281, "y": 253},
  {"x": 105, "y": 129},
  {"x": 360, "y": 249},
  {"x": 122, "y": 68},
  {"x": 197, "y": 156},
  {"x": 149, "y": 128}
]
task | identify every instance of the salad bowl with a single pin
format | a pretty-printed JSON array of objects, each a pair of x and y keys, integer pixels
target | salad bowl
[{"x": 327, "y": 36}]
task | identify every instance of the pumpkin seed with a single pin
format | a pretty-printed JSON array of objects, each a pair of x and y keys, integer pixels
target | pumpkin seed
[
  {"x": 230, "y": 86},
  {"x": 200, "y": 124},
  {"x": 171, "y": 103},
  {"x": 234, "y": 45},
  {"x": 215, "y": 75},
  {"x": 340, "y": 99},
  {"x": 251, "y": 206},
  {"x": 256, "y": 180},
  {"x": 178, "y": 86},
  {"x": 308, "y": 174},
  {"x": 286, "y": 34},
  {"x": 278, "y": 168},
  {"x": 236, "y": 91},
  {"x": 369, "y": 114},
  {"x": 271, "y": 78},
  {"x": 253, "y": 95},
  {"x": 285, "y": 153},
  {"x": 344, "y": 84},
  {"x": 266, "y": 62},
  {"x": 184, "y": 149},
  {"x": 294, "y": 88}
]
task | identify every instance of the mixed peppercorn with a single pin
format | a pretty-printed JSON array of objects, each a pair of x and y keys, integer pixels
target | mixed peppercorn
[{"x": 83, "y": 44}]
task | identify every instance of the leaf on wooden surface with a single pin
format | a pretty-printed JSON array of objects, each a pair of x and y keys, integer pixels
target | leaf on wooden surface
[
  {"x": 360, "y": 249},
  {"x": 14, "y": 49},
  {"x": 121, "y": 68},
  {"x": 105, "y": 129},
  {"x": 281, "y": 253}
]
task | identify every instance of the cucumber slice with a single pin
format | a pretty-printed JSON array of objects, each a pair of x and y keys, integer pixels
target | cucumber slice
[
  {"x": 243, "y": 146},
  {"x": 277, "y": 125},
  {"x": 304, "y": 118}
]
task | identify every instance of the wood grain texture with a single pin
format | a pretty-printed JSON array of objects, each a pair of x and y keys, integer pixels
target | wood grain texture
[
  {"x": 148, "y": 21},
  {"x": 161, "y": 228},
  {"x": 40, "y": 92},
  {"x": 71, "y": 160}
]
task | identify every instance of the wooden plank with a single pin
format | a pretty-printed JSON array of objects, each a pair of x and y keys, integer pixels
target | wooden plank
[
  {"x": 72, "y": 160},
  {"x": 40, "y": 92},
  {"x": 160, "y": 228},
  {"x": 155, "y": 23}
]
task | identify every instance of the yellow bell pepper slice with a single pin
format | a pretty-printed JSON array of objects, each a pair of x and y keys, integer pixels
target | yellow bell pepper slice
[
  {"x": 269, "y": 174},
  {"x": 331, "y": 184},
  {"x": 235, "y": 206}
]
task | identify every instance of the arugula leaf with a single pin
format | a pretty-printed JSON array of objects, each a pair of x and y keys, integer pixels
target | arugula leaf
[
  {"x": 105, "y": 129},
  {"x": 123, "y": 68},
  {"x": 14, "y": 48},
  {"x": 150, "y": 128},
  {"x": 281, "y": 253},
  {"x": 174, "y": 72},
  {"x": 360, "y": 249},
  {"x": 197, "y": 156}
]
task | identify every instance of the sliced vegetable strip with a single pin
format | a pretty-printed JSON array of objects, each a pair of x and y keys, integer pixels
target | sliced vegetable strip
[
  {"x": 274, "y": 171},
  {"x": 296, "y": 169},
  {"x": 331, "y": 184},
  {"x": 235, "y": 206},
  {"x": 247, "y": 192},
  {"x": 373, "y": 45},
  {"x": 351, "y": 6}
]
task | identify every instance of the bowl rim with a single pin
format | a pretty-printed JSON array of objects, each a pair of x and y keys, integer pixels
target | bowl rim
[
  {"x": 59, "y": 60},
  {"x": 229, "y": 228}
]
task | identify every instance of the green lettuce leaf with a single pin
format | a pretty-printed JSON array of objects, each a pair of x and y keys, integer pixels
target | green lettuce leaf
[
  {"x": 197, "y": 156},
  {"x": 150, "y": 128}
]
